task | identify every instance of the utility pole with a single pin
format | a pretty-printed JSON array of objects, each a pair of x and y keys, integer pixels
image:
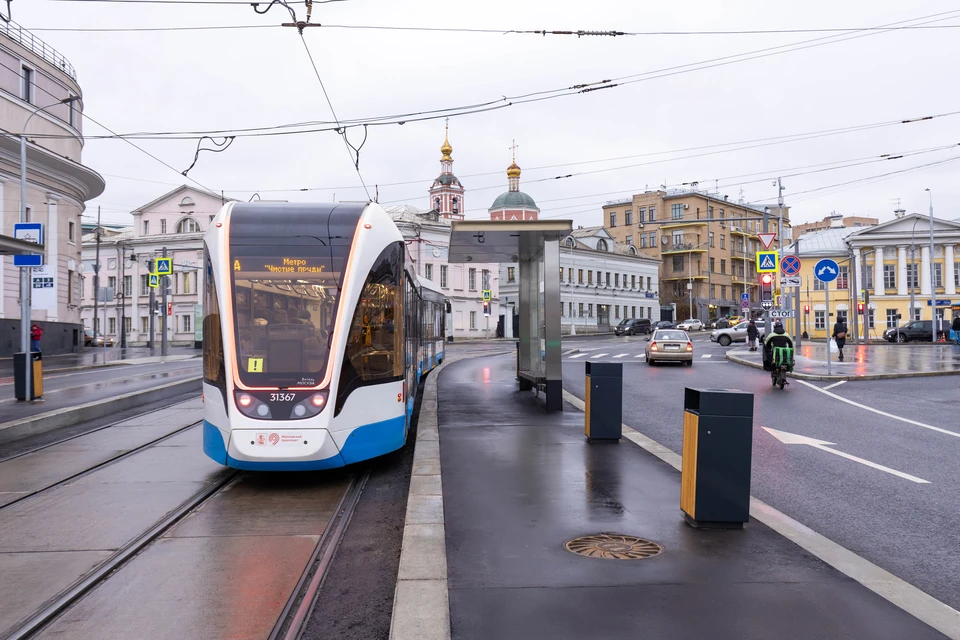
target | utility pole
[
  {"x": 933, "y": 289},
  {"x": 796, "y": 299},
  {"x": 866, "y": 296},
  {"x": 779, "y": 286},
  {"x": 26, "y": 279},
  {"x": 163, "y": 310},
  {"x": 96, "y": 289},
  {"x": 855, "y": 295},
  {"x": 151, "y": 268}
]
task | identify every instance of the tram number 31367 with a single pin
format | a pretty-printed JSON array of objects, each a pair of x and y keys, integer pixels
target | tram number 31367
[{"x": 282, "y": 397}]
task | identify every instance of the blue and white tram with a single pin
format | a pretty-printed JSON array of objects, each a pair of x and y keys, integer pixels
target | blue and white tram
[{"x": 316, "y": 330}]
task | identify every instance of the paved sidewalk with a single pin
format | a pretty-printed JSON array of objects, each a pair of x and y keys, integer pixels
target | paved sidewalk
[
  {"x": 92, "y": 358},
  {"x": 518, "y": 483},
  {"x": 865, "y": 362}
]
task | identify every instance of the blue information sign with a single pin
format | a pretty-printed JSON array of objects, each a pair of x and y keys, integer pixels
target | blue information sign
[
  {"x": 790, "y": 265},
  {"x": 28, "y": 232},
  {"x": 826, "y": 270}
]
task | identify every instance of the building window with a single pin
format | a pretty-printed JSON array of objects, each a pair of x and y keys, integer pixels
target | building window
[
  {"x": 893, "y": 318},
  {"x": 145, "y": 324},
  {"x": 512, "y": 274},
  {"x": 938, "y": 275},
  {"x": 616, "y": 280},
  {"x": 608, "y": 279},
  {"x": 723, "y": 241},
  {"x": 633, "y": 311},
  {"x": 163, "y": 225},
  {"x": 628, "y": 217},
  {"x": 602, "y": 244},
  {"x": 633, "y": 282},
  {"x": 842, "y": 316},
  {"x": 677, "y": 239},
  {"x": 629, "y": 243},
  {"x": 185, "y": 323},
  {"x": 473, "y": 319},
  {"x": 72, "y": 111},
  {"x": 653, "y": 239},
  {"x": 723, "y": 292},
  {"x": 613, "y": 219},
  {"x": 428, "y": 271},
  {"x": 570, "y": 309},
  {"x": 843, "y": 280},
  {"x": 678, "y": 263},
  {"x": 187, "y": 225},
  {"x": 956, "y": 274},
  {"x": 721, "y": 214},
  {"x": 472, "y": 280},
  {"x": 144, "y": 284},
  {"x": 676, "y": 211},
  {"x": 146, "y": 227},
  {"x": 916, "y": 313},
  {"x": 652, "y": 214},
  {"x": 643, "y": 241},
  {"x": 589, "y": 310},
  {"x": 913, "y": 280},
  {"x": 127, "y": 286},
  {"x": 443, "y": 276},
  {"x": 589, "y": 276},
  {"x": 616, "y": 311},
  {"x": 71, "y": 231},
  {"x": 580, "y": 277},
  {"x": 570, "y": 275},
  {"x": 648, "y": 283},
  {"x": 581, "y": 309},
  {"x": 713, "y": 265},
  {"x": 26, "y": 84},
  {"x": 820, "y": 320},
  {"x": 871, "y": 315},
  {"x": 186, "y": 282},
  {"x": 641, "y": 214},
  {"x": 111, "y": 326},
  {"x": 818, "y": 285},
  {"x": 112, "y": 282},
  {"x": 711, "y": 239},
  {"x": 485, "y": 279},
  {"x": 868, "y": 279},
  {"x": 723, "y": 268},
  {"x": 127, "y": 324}
]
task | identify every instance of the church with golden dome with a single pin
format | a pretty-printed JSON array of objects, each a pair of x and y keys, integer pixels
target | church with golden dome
[
  {"x": 446, "y": 192},
  {"x": 514, "y": 204}
]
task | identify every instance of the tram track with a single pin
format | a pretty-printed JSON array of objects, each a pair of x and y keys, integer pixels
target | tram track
[{"x": 65, "y": 599}]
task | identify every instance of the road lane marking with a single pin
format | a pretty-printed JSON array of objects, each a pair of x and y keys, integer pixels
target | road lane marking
[
  {"x": 882, "y": 413},
  {"x": 707, "y": 355},
  {"x": 599, "y": 355},
  {"x": 642, "y": 355},
  {"x": 793, "y": 438},
  {"x": 620, "y": 355},
  {"x": 578, "y": 355},
  {"x": 897, "y": 591},
  {"x": 835, "y": 384}
]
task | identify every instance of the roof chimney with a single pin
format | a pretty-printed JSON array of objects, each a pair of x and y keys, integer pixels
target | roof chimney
[
  {"x": 836, "y": 220},
  {"x": 899, "y": 212}
]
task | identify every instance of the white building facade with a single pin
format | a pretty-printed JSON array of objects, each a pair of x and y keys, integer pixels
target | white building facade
[
  {"x": 39, "y": 95},
  {"x": 175, "y": 221}
]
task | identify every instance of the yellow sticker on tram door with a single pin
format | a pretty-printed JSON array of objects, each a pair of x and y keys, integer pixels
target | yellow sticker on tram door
[{"x": 255, "y": 365}]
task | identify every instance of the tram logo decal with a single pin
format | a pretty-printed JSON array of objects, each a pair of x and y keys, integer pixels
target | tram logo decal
[{"x": 274, "y": 438}]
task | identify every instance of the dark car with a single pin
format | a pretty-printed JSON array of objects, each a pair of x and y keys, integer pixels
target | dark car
[
  {"x": 632, "y": 327},
  {"x": 663, "y": 324},
  {"x": 918, "y": 330}
]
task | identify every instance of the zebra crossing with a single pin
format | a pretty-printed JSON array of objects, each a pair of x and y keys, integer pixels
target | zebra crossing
[{"x": 595, "y": 354}]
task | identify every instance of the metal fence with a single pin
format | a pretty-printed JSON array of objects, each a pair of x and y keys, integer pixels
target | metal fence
[{"x": 29, "y": 41}]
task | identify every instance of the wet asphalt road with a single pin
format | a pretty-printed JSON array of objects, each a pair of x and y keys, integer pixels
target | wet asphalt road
[{"x": 904, "y": 527}]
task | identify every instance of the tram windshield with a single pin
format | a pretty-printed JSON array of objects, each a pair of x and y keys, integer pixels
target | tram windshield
[{"x": 284, "y": 306}]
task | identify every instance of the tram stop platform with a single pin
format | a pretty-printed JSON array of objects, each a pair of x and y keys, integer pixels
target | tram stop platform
[{"x": 518, "y": 483}]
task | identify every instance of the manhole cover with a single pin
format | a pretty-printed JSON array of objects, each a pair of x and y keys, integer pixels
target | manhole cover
[{"x": 613, "y": 547}]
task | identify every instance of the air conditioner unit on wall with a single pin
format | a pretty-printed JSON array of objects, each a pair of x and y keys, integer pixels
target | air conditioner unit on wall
[{"x": 685, "y": 207}]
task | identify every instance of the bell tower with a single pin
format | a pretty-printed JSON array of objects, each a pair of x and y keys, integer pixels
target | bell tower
[{"x": 446, "y": 192}]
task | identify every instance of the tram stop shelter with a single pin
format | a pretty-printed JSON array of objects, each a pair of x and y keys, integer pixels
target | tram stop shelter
[{"x": 534, "y": 246}]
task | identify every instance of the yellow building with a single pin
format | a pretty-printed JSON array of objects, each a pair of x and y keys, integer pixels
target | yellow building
[
  {"x": 706, "y": 242},
  {"x": 896, "y": 257}
]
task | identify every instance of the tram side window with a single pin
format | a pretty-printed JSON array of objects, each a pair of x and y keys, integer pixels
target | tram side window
[
  {"x": 375, "y": 342},
  {"x": 213, "y": 369}
]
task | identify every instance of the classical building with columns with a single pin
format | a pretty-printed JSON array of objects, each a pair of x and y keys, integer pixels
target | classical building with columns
[{"x": 896, "y": 257}]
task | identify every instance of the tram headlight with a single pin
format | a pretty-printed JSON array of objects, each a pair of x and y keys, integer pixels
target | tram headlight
[
  {"x": 309, "y": 406},
  {"x": 249, "y": 405}
]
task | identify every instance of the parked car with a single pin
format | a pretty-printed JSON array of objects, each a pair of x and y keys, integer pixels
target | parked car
[
  {"x": 633, "y": 326},
  {"x": 918, "y": 330},
  {"x": 691, "y": 324},
  {"x": 663, "y": 324},
  {"x": 736, "y": 333},
  {"x": 90, "y": 341},
  {"x": 669, "y": 344},
  {"x": 722, "y": 323}
]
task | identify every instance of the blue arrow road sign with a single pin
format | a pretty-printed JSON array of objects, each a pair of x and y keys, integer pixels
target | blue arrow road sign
[
  {"x": 826, "y": 270},
  {"x": 790, "y": 265}
]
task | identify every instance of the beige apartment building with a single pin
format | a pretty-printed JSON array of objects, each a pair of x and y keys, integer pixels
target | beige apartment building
[
  {"x": 832, "y": 222},
  {"x": 707, "y": 245}
]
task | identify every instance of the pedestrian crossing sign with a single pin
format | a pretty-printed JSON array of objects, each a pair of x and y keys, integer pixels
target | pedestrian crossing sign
[
  {"x": 766, "y": 261},
  {"x": 164, "y": 266},
  {"x": 486, "y": 294},
  {"x": 154, "y": 281}
]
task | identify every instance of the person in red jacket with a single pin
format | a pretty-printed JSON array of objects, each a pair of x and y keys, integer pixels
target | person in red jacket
[{"x": 35, "y": 334}]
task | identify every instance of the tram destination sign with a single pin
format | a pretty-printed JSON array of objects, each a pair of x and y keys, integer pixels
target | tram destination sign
[{"x": 281, "y": 265}]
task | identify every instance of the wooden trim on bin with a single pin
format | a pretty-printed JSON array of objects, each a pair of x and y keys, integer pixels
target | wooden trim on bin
[{"x": 688, "y": 470}]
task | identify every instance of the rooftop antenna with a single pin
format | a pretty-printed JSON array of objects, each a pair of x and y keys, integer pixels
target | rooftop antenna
[{"x": 740, "y": 200}]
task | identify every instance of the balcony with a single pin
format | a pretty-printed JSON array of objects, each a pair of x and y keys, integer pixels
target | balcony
[
  {"x": 683, "y": 277},
  {"x": 676, "y": 224},
  {"x": 683, "y": 247},
  {"x": 743, "y": 255},
  {"x": 739, "y": 230},
  {"x": 34, "y": 44},
  {"x": 744, "y": 281}
]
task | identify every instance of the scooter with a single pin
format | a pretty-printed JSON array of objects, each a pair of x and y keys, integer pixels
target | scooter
[{"x": 779, "y": 376}]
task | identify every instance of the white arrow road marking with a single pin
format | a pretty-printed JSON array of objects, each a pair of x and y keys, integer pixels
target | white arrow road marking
[
  {"x": 620, "y": 355},
  {"x": 835, "y": 384},
  {"x": 566, "y": 353},
  {"x": 822, "y": 445},
  {"x": 642, "y": 355},
  {"x": 878, "y": 411},
  {"x": 579, "y": 355}
]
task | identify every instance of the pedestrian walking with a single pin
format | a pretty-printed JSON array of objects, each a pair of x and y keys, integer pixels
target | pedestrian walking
[
  {"x": 840, "y": 335},
  {"x": 35, "y": 334},
  {"x": 752, "y": 333},
  {"x": 955, "y": 327}
]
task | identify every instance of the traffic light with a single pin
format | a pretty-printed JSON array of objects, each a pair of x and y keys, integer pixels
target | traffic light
[
  {"x": 486, "y": 308},
  {"x": 860, "y": 308},
  {"x": 766, "y": 287},
  {"x": 169, "y": 308},
  {"x": 806, "y": 309},
  {"x": 156, "y": 307}
]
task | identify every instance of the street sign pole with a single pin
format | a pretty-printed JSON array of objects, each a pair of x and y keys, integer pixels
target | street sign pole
[
  {"x": 26, "y": 284},
  {"x": 153, "y": 303},
  {"x": 163, "y": 310},
  {"x": 826, "y": 293}
]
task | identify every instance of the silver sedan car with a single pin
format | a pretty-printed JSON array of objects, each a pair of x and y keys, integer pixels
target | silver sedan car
[
  {"x": 737, "y": 333},
  {"x": 670, "y": 344}
]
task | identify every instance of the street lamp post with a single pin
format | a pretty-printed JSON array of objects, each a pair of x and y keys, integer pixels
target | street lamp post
[
  {"x": 26, "y": 286},
  {"x": 933, "y": 289}
]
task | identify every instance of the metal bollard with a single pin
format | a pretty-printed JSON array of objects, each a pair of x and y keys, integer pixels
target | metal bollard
[
  {"x": 717, "y": 454},
  {"x": 603, "y": 413}
]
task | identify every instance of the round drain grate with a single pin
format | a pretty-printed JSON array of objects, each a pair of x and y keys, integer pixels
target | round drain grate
[{"x": 613, "y": 547}]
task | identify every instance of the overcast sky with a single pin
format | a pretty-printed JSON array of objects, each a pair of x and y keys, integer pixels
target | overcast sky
[{"x": 206, "y": 80}]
